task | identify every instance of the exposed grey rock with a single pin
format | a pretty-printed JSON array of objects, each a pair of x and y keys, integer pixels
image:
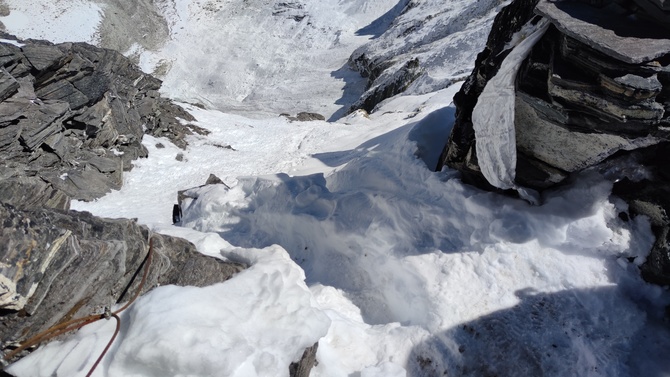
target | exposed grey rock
[
  {"x": 39, "y": 121},
  {"x": 213, "y": 180},
  {"x": 86, "y": 184},
  {"x": 582, "y": 97},
  {"x": 105, "y": 164},
  {"x": 42, "y": 56},
  {"x": 32, "y": 192},
  {"x": 304, "y": 366},
  {"x": 62, "y": 91},
  {"x": 459, "y": 152},
  {"x": 650, "y": 196},
  {"x": 566, "y": 150},
  {"x": 126, "y": 23},
  {"x": 632, "y": 86},
  {"x": 58, "y": 101},
  {"x": 628, "y": 40},
  {"x": 8, "y": 85},
  {"x": 306, "y": 117},
  {"x": 638, "y": 83},
  {"x": 93, "y": 86},
  {"x": 388, "y": 86},
  {"x": 43, "y": 249}
]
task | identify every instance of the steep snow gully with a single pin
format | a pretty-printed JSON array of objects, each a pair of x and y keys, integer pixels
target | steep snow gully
[{"x": 352, "y": 240}]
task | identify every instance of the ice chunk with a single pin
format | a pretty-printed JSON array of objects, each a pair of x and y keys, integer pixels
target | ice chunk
[{"x": 493, "y": 117}]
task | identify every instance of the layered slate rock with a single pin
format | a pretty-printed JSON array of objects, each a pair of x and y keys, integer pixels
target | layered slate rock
[
  {"x": 594, "y": 90},
  {"x": 73, "y": 116},
  {"x": 60, "y": 265}
]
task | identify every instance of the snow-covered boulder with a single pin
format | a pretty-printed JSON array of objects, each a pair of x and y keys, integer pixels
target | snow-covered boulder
[{"x": 595, "y": 87}]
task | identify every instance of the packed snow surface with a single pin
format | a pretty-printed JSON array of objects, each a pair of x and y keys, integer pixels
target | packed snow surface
[
  {"x": 53, "y": 20},
  {"x": 355, "y": 243}
]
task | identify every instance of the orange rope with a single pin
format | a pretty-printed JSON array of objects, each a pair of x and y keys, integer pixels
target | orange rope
[
  {"x": 109, "y": 344},
  {"x": 75, "y": 324}
]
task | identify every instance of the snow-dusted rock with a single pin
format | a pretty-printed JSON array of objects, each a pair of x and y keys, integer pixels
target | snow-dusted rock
[
  {"x": 421, "y": 46},
  {"x": 594, "y": 87}
]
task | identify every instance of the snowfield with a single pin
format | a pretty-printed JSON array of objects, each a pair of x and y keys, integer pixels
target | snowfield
[{"x": 353, "y": 240}]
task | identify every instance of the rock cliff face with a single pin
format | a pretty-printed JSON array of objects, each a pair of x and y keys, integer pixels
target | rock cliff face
[
  {"x": 72, "y": 117},
  {"x": 420, "y": 47},
  {"x": 594, "y": 91}
]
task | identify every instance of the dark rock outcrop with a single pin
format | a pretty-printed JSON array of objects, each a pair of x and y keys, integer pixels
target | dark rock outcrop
[
  {"x": 304, "y": 366},
  {"x": 73, "y": 115},
  {"x": 460, "y": 150},
  {"x": 60, "y": 265},
  {"x": 388, "y": 87},
  {"x": 304, "y": 116},
  {"x": 594, "y": 90}
]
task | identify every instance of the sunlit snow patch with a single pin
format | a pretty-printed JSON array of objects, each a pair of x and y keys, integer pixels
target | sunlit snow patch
[{"x": 55, "y": 21}]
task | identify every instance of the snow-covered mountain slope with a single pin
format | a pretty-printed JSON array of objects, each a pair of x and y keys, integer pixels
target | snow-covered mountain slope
[
  {"x": 440, "y": 40},
  {"x": 352, "y": 239},
  {"x": 247, "y": 56},
  {"x": 56, "y": 21}
]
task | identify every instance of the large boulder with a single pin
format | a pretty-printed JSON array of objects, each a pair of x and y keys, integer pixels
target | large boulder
[
  {"x": 593, "y": 91},
  {"x": 73, "y": 116}
]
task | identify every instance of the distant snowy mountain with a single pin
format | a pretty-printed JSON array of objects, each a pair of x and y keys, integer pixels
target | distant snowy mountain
[{"x": 271, "y": 58}]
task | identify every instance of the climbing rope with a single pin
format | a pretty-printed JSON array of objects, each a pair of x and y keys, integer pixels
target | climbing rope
[{"x": 75, "y": 324}]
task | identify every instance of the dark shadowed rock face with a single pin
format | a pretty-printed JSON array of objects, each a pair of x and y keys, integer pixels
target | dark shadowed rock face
[
  {"x": 391, "y": 85},
  {"x": 596, "y": 87},
  {"x": 73, "y": 116}
]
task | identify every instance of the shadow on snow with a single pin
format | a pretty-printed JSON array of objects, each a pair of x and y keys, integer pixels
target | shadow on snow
[
  {"x": 579, "y": 332},
  {"x": 353, "y": 229}
]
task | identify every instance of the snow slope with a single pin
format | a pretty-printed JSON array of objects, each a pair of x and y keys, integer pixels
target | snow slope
[
  {"x": 54, "y": 20},
  {"x": 273, "y": 57},
  {"x": 445, "y": 38},
  {"x": 356, "y": 243}
]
